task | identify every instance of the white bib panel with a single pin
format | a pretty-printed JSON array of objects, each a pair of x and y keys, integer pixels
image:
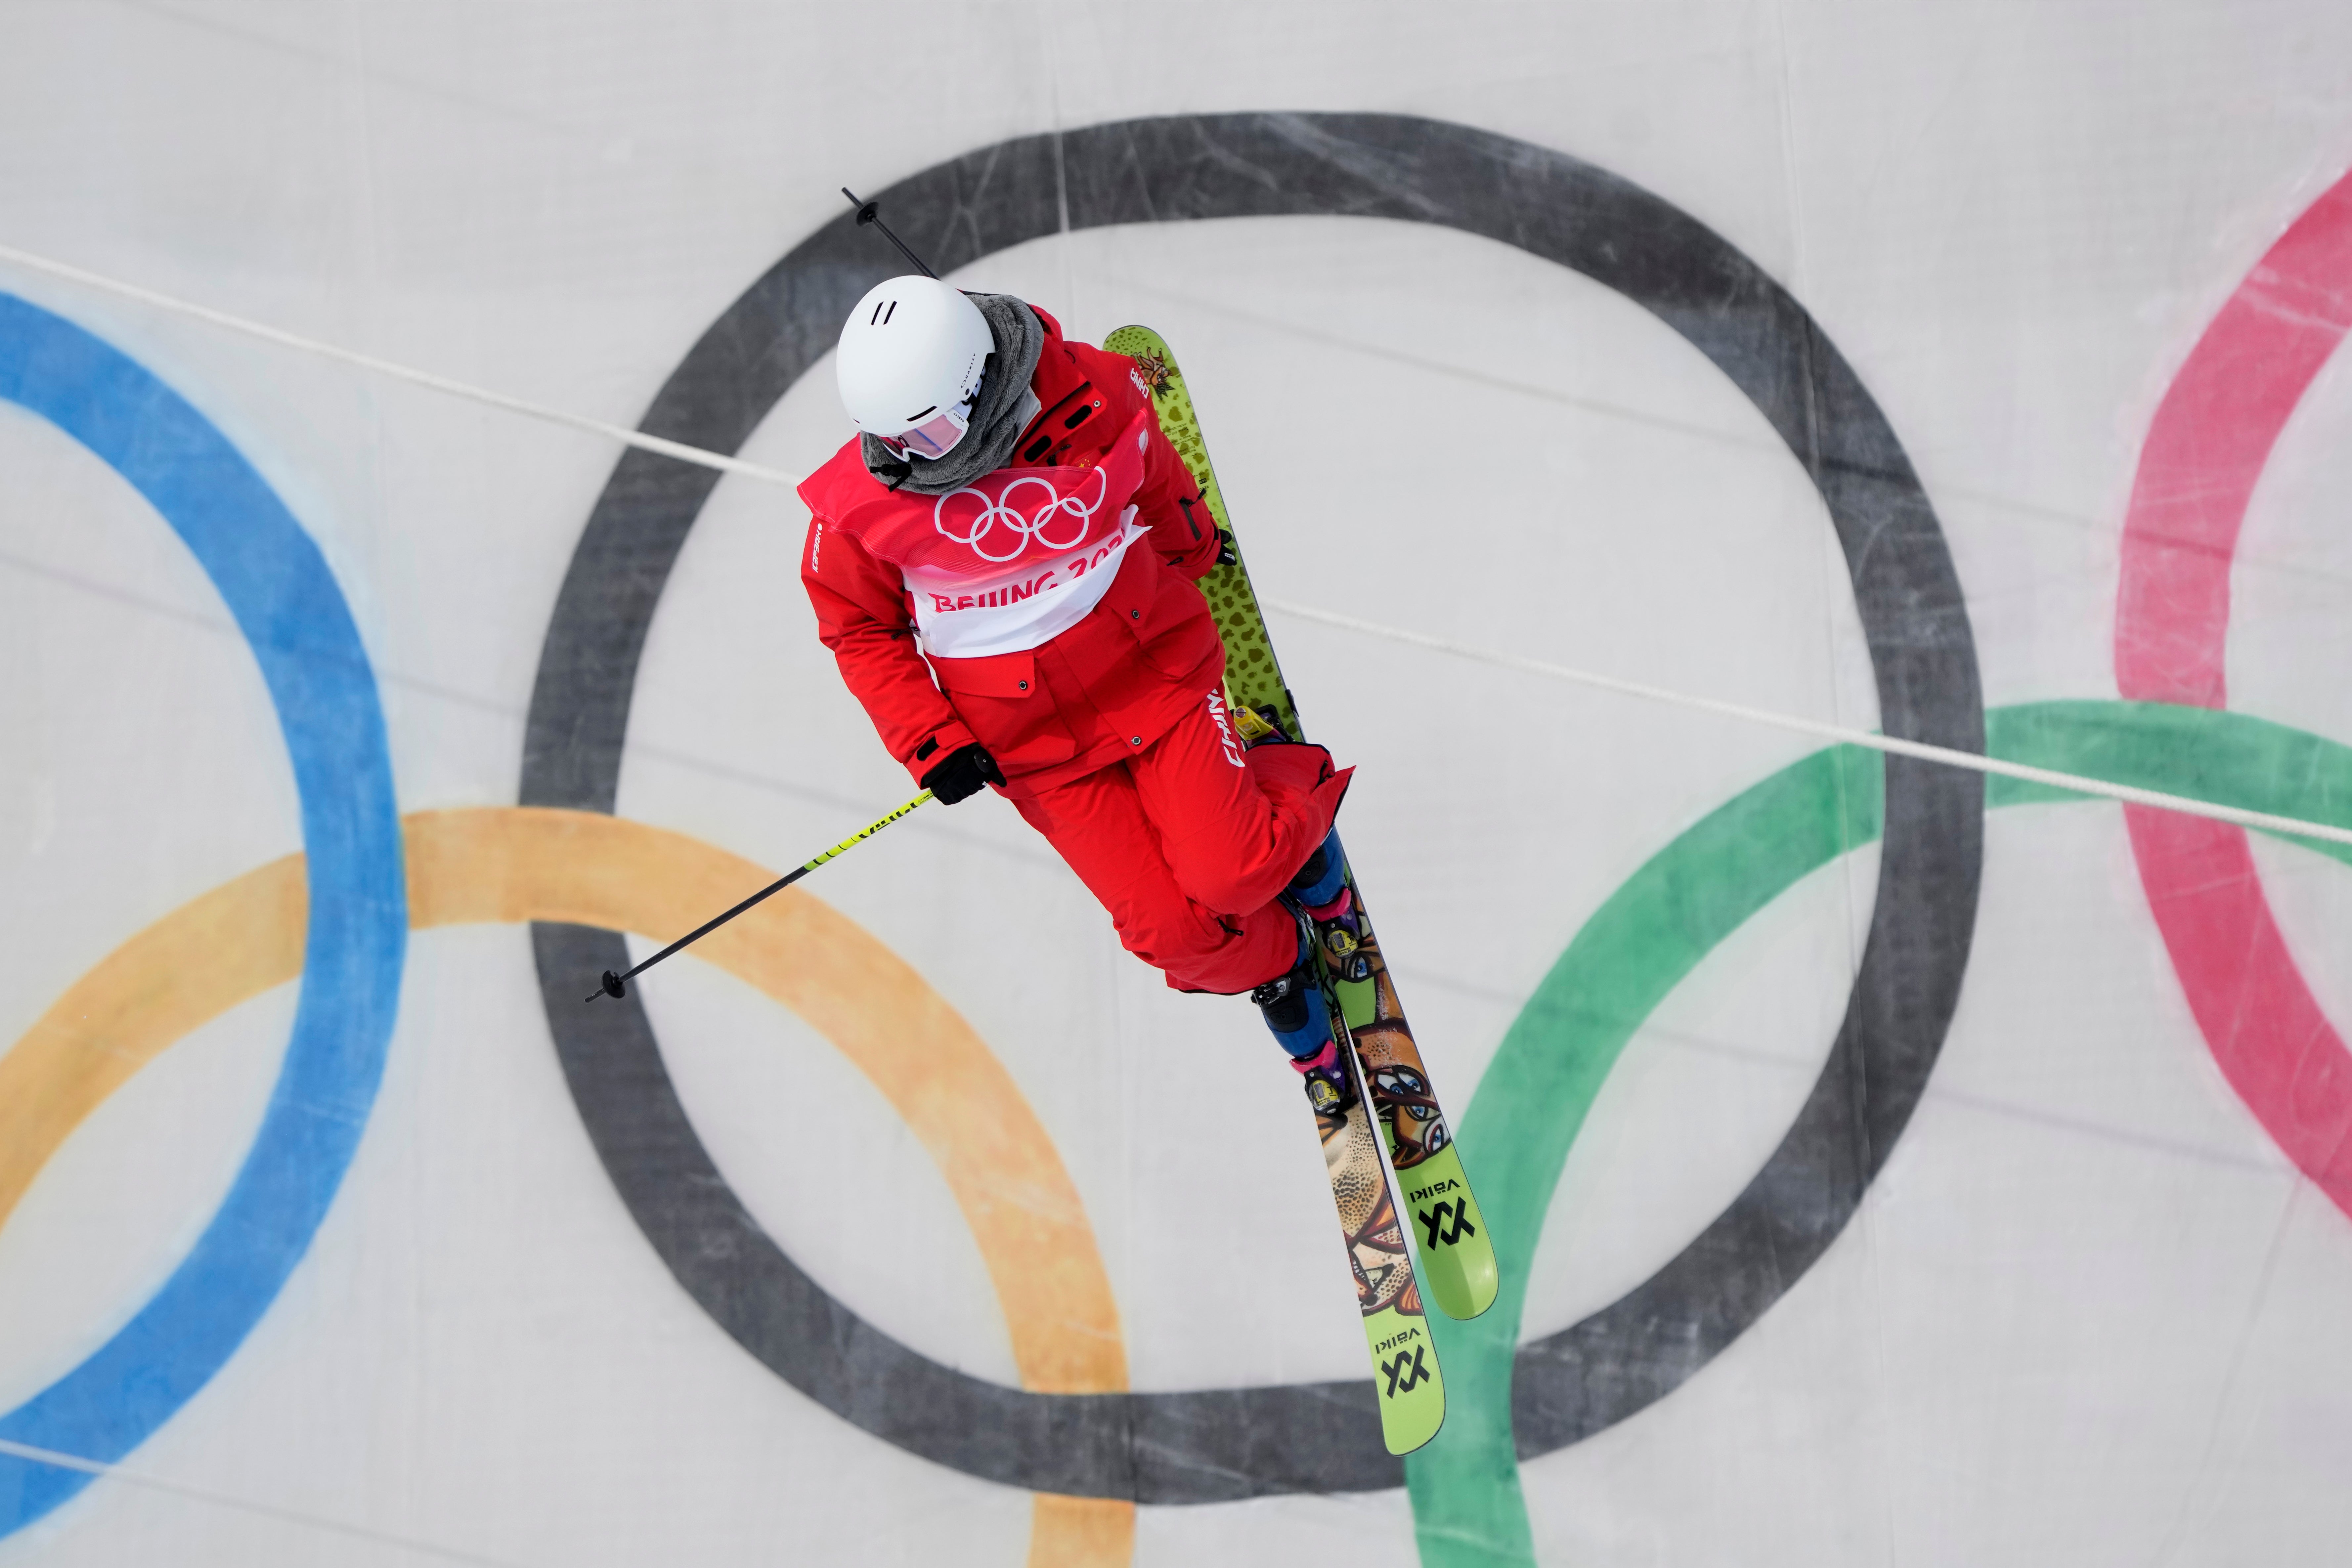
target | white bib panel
[{"x": 959, "y": 617}]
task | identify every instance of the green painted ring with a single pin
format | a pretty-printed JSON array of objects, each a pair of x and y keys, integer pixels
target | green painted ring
[{"x": 1645, "y": 941}]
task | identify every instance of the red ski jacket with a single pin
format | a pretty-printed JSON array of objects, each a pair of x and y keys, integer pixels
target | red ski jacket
[{"x": 1101, "y": 689}]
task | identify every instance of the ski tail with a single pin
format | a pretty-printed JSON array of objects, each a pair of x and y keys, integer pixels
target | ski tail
[{"x": 1406, "y": 1373}]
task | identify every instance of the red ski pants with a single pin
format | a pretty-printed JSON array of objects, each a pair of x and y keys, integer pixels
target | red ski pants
[{"x": 1187, "y": 842}]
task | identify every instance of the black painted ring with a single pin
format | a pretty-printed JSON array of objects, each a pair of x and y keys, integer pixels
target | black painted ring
[{"x": 1225, "y": 1444}]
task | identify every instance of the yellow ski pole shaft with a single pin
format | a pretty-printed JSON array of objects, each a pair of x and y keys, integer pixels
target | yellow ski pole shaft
[{"x": 618, "y": 985}]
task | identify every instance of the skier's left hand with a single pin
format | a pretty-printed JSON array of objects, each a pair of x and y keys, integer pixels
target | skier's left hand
[{"x": 961, "y": 773}]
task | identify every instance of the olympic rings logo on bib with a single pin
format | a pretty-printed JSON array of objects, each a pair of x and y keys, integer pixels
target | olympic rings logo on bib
[{"x": 1000, "y": 521}]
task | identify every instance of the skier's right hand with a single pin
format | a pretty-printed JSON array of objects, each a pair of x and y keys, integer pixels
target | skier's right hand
[{"x": 961, "y": 773}]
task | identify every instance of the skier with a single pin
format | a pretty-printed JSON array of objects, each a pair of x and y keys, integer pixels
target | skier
[{"x": 1003, "y": 562}]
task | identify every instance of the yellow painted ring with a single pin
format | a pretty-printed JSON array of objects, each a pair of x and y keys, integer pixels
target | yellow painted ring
[{"x": 503, "y": 864}]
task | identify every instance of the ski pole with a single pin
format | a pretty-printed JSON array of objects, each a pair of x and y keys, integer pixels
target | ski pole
[
  {"x": 871, "y": 213},
  {"x": 617, "y": 986}
]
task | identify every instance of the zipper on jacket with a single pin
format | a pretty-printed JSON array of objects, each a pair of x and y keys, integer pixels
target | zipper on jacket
[{"x": 1187, "y": 505}]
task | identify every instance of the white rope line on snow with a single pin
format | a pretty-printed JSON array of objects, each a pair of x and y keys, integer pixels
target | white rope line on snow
[
  {"x": 203, "y": 1494},
  {"x": 1971, "y": 760},
  {"x": 620, "y": 433},
  {"x": 685, "y": 454}
]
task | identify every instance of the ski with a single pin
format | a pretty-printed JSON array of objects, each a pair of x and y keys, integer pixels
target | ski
[
  {"x": 1406, "y": 1373},
  {"x": 1457, "y": 1259}
]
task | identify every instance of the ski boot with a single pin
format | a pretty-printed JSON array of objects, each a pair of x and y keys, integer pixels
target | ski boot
[
  {"x": 1321, "y": 893},
  {"x": 1300, "y": 1018},
  {"x": 1330, "y": 1087}
]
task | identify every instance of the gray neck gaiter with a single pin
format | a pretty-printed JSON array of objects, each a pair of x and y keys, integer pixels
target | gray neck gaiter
[{"x": 1005, "y": 408}]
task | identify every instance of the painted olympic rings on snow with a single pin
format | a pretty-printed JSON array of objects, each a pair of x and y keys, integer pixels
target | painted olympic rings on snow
[
  {"x": 610, "y": 875},
  {"x": 507, "y": 864},
  {"x": 1210, "y": 1445},
  {"x": 278, "y": 586},
  {"x": 2207, "y": 447},
  {"x": 999, "y": 512}
]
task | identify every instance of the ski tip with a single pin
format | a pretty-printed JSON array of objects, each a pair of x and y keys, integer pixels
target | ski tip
[
  {"x": 1463, "y": 1286},
  {"x": 1409, "y": 1437}
]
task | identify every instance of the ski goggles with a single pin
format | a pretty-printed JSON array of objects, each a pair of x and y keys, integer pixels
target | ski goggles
[{"x": 935, "y": 437}]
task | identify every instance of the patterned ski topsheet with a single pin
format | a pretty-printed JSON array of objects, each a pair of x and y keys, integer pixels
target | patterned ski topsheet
[
  {"x": 1396, "y": 1328},
  {"x": 1457, "y": 1259}
]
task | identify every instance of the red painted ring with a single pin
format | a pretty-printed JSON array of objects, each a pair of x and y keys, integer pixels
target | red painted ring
[{"x": 2211, "y": 439}]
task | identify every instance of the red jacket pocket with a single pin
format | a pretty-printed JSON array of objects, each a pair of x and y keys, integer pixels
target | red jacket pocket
[
  {"x": 1164, "y": 613},
  {"x": 1010, "y": 675},
  {"x": 1002, "y": 701}
]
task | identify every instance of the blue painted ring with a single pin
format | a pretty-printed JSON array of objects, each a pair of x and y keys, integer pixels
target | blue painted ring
[{"x": 285, "y": 600}]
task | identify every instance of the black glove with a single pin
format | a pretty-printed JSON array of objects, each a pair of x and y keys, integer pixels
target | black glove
[
  {"x": 961, "y": 773},
  {"x": 1226, "y": 555}
]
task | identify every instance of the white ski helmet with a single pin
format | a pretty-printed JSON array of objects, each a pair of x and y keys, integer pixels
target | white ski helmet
[{"x": 910, "y": 362}]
